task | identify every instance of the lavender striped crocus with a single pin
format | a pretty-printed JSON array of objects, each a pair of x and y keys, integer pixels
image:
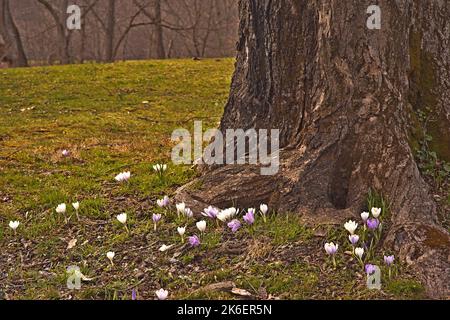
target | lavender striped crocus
[
  {"x": 389, "y": 260},
  {"x": 133, "y": 295},
  {"x": 249, "y": 217},
  {"x": 234, "y": 225},
  {"x": 164, "y": 202},
  {"x": 210, "y": 212},
  {"x": 194, "y": 241},
  {"x": 188, "y": 213},
  {"x": 354, "y": 238},
  {"x": 331, "y": 248},
  {"x": 156, "y": 218}
]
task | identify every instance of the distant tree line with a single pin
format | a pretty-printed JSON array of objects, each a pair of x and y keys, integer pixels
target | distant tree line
[{"x": 34, "y": 32}]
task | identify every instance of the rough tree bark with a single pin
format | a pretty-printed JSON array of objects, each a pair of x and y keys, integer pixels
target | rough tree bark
[{"x": 343, "y": 97}]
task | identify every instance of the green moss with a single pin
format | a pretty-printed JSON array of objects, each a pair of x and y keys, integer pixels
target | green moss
[
  {"x": 441, "y": 141},
  {"x": 424, "y": 99},
  {"x": 423, "y": 73}
]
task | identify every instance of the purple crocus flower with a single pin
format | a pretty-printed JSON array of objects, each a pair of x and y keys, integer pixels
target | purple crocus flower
[
  {"x": 194, "y": 241},
  {"x": 234, "y": 225},
  {"x": 331, "y": 248},
  {"x": 354, "y": 238},
  {"x": 249, "y": 217},
  {"x": 373, "y": 223},
  {"x": 210, "y": 212},
  {"x": 156, "y": 217},
  {"x": 370, "y": 268},
  {"x": 133, "y": 295},
  {"x": 188, "y": 213},
  {"x": 66, "y": 153},
  {"x": 164, "y": 202},
  {"x": 389, "y": 260}
]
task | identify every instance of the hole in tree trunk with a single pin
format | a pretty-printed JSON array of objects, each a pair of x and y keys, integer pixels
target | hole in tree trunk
[{"x": 340, "y": 180}]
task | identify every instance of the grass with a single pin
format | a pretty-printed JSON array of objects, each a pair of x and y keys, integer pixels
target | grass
[{"x": 96, "y": 111}]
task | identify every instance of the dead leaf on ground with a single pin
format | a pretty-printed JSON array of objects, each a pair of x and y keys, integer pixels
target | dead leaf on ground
[{"x": 241, "y": 292}]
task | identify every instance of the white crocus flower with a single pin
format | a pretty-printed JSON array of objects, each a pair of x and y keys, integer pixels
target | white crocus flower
[
  {"x": 76, "y": 205},
  {"x": 14, "y": 225},
  {"x": 359, "y": 252},
  {"x": 201, "y": 225},
  {"x": 351, "y": 226},
  {"x": 123, "y": 176},
  {"x": 232, "y": 211},
  {"x": 181, "y": 207},
  {"x": 110, "y": 255},
  {"x": 162, "y": 294},
  {"x": 227, "y": 214},
  {"x": 223, "y": 215},
  {"x": 376, "y": 212},
  {"x": 127, "y": 175},
  {"x": 365, "y": 216},
  {"x": 181, "y": 231},
  {"x": 122, "y": 218},
  {"x": 61, "y": 208},
  {"x": 160, "y": 168},
  {"x": 264, "y": 208}
]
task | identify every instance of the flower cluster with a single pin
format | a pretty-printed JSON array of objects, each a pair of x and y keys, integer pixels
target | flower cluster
[
  {"x": 363, "y": 244},
  {"x": 160, "y": 169},
  {"x": 229, "y": 218}
]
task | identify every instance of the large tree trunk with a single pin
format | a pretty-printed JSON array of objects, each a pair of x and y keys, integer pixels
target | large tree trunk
[{"x": 343, "y": 97}]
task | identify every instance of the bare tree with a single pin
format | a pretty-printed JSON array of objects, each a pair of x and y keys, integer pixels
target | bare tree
[
  {"x": 58, "y": 15},
  {"x": 159, "y": 30},
  {"x": 110, "y": 30},
  {"x": 10, "y": 33},
  {"x": 123, "y": 29}
]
